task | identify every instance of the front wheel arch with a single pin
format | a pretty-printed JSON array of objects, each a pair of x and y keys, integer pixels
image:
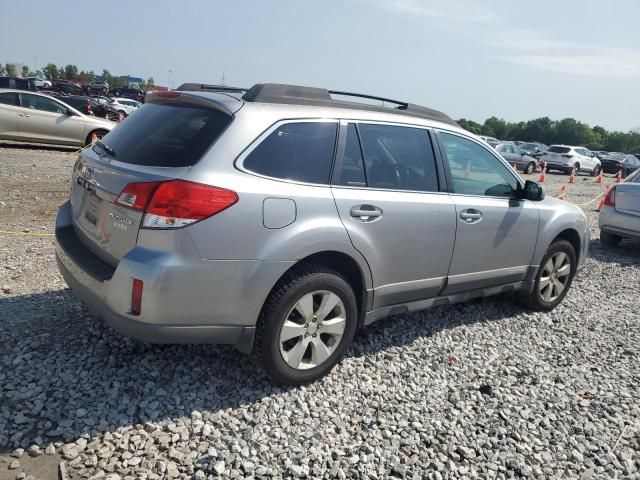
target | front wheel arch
[{"x": 100, "y": 132}]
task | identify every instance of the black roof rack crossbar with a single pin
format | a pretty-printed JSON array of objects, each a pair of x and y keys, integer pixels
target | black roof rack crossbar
[
  {"x": 369, "y": 97},
  {"x": 190, "y": 87}
]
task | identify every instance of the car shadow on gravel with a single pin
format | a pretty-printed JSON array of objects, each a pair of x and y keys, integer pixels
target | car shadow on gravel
[
  {"x": 37, "y": 146},
  {"x": 627, "y": 253},
  {"x": 65, "y": 374}
]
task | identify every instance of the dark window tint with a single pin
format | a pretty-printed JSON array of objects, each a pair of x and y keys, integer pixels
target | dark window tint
[
  {"x": 399, "y": 158},
  {"x": 296, "y": 151},
  {"x": 351, "y": 170},
  {"x": 559, "y": 149},
  {"x": 8, "y": 98},
  {"x": 77, "y": 103},
  {"x": 475, "y": 170},
  {"x": 167, "y": 135}
]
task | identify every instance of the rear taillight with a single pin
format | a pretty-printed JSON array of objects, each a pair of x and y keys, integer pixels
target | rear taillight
[
  {"x": 567, "y": 156},
  {"x": 136, "y": 195},
  {"x": 610, "y": 198},
  {"x": 175, "y": 203}
]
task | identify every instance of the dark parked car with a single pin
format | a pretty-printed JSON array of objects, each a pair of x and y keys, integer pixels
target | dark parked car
[
  {"x": 616, "y": 162},
  {"x": 67, "y": 87},
  {"x": 86, "y": 105},
  {"x": 129, "y": 92},
  {"x": 17, "y": 83},
  {"x": 533, "y": 149}
]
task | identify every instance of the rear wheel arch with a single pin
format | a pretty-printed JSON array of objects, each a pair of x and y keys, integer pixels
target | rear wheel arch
[{"x": 343, "y": 264}]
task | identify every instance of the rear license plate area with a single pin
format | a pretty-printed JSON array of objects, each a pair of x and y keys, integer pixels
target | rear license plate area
[{"x": 93, "y": 207}]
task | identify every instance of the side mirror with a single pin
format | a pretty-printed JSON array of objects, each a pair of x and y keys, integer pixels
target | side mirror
[{"x": 532, "y": 191}]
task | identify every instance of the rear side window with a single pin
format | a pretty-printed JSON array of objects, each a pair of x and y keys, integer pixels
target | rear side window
[
  {"x": 167, "y": 135},
  {"x": 9, "y": 98},
  {"x": 398, "y": 158},
  {"x": 554, "y": 149},
  {"x": 300, "y": 151}
]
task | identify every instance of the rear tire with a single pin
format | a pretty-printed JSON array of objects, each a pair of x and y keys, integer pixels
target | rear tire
[
  {"x": 295, "y": 308},
  {"x": 553, "y": 279},
  {"x": 99, "y": 133},
  {"x": 531, "y": 168},
  {"x": 609, "y": 239}
]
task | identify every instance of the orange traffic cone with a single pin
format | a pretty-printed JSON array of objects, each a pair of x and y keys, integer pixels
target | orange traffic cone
[
  {"x": 563, "y": 192},
  {"x": 467, "y": 171},
  {"x": 94, "y": 137},
  {"x": 544, "y": 171},
  {"x": 599, "y": 177},
  {"x": 572, "y": 177},
  {"x": 619, "y": 176},
  {"x": 601, "y": 204}
]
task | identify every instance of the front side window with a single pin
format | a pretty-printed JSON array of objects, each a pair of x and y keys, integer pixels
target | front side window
[
  {"x": 301, "y": 151},
  {"x": 398, "y": 158},
  {"x": 475, "y": 170},
  {"x": 43, "y": 104}
]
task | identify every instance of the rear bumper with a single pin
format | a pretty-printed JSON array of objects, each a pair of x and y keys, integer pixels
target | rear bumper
[
  {"x": 184, "y": 300},
  {"x": 622, "y": 224}
]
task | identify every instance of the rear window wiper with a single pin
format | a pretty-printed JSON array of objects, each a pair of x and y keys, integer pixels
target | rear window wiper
[{"x": 105, "y": 147}]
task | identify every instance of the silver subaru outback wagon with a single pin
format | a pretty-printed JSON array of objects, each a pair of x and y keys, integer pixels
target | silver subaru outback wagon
[{"x": 281, "y": 219}]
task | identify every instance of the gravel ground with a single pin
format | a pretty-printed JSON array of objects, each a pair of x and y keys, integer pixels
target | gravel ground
[{"x": 479, "y": 390}]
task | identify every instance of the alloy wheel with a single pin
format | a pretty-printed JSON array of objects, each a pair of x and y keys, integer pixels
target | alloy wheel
[
  {"x": 555, "y": 276},
  {"x": 312, "y": 330}
]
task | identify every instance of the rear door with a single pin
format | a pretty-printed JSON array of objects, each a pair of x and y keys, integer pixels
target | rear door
[
  {"x": 159, "y": 143},
  {"x": 496, "y": 233},
  {"x": 386, "y": 185},
  {"x": 9, "y": 107},
  {"x": 44, "y": 119}
]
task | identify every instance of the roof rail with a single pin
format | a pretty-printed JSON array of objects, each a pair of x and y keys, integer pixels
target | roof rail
[
  {"x": 203, "y": 87},
  {"x": 298, "y": 95}
]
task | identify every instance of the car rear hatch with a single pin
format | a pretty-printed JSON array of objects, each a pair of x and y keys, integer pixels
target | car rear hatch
[
  {"x": 628, "y": 198},
  {"x": 161, "y": 142}
]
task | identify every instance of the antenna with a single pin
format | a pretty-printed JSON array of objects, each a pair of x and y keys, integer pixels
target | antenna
[{"x": 222, "y": 81}]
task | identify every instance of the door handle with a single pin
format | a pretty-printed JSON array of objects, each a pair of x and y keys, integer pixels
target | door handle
[
  {"x": 366, "y": 213},
  {"x": 471, "y": 215},
  {"x": 24, "y": 115}
]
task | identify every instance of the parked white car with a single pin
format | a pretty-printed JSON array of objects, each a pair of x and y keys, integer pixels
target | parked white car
[
  {"x": 565, "y": 157},
  {"x": 494, "y": 142},
  {"x": 126, "y": 106},
  {"x": 40, "y": 82}
]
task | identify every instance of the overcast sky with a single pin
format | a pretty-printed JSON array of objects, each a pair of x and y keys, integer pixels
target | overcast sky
[{"x": 472, "y": 59}]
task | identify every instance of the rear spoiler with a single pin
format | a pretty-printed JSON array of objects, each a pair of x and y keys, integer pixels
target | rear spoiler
[{"x": 228, "y": 105}]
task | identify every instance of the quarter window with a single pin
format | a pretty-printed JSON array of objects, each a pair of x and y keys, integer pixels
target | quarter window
[
  {"x": 9, "y": 99},
  {"x": 300, "y": 151},
  {"x": 475, "y": 170},
  {"x": 398, "y": 158}
]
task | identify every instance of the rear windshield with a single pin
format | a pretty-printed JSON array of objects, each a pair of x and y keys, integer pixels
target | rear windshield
[
  {"x": 559, "y": 149},
  {"x": 166, "y": 135}
]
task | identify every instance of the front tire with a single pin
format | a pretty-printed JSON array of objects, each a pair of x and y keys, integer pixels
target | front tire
[
  {"x": 609, "y": 239},
  {"x": 553, "y": 279},
  {"x": 305, "y": 325}
]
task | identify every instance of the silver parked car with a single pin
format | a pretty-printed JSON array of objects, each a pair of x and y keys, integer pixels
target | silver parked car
[
  {"x": 620, "y": 215},
  {"x": 33, "y": 117},
  {"x": 515, "y": 156},
  {"x": 281, "y": 220}
]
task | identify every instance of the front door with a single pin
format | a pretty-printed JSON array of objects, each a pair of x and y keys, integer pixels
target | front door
[
  {"x": 387, "y": 191},
  {"x": 496, "y": 233},
  {"x": 47, "y": 120}
]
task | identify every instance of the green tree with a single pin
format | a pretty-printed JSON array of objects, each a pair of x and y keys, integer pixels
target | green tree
[
  {"x": 496, "y": 127},
  {"x": 11, "y": 69},
  {"x": 71, "y": 72},
  {"x": 2, "y": 70},
  {"x": 50, "y": 71},
  {"x": 25, "y": 71},
  {"x": 469, "y": 125}
]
